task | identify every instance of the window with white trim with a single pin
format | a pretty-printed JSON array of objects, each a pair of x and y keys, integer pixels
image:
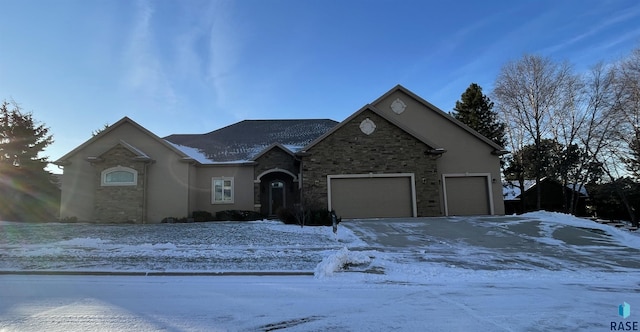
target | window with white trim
[
  {"x": 119, "y": 176},
  {"x": 222, "y": 190}
]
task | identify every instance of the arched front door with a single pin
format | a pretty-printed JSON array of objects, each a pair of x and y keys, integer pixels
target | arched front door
[
  {"x": 277, "y": 190},
  {"x": 277, "y": 196}
]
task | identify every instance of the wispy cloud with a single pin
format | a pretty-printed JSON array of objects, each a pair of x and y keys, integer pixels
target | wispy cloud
[
  {"x": 223, "y": 54},
  {"x": 621, "y": 16},
  {"x": 146, "y": 75}
]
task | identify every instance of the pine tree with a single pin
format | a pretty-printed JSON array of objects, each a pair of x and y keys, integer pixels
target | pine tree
[
  {"x": 27, "y": 190},
  {"x": 475, "y": 110}
]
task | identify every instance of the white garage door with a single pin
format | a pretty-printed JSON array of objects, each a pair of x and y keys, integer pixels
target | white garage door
[
  {"x": 372, "y": 195},
  {"x": 467, "y": 195}
]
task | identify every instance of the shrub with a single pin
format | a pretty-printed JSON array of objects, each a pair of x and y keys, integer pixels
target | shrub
[
  {"x": 320, "y": 217},
  {"x": 200, "y": 216},
  {"x": 172, "y": 220},
  {"x": 238, "y": 215},
  {"x": 287, "y": 216}
]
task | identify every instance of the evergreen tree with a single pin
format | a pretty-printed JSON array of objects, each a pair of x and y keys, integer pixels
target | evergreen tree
[
  {"x": 27, "y": 190},
  {"x": 551, "y": 161},
  {"x": 633, "y": 159},
  {"x": 475, "y": 110}
]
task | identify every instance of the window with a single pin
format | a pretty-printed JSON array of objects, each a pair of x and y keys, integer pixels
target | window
[
  {"x": 119, "y": 176},
  {"x": 222, "y": 190}
]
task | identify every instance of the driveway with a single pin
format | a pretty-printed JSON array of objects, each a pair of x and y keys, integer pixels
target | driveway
[
  {"x": 496, "y": 243},
  {"x": 473, "y": 243}
]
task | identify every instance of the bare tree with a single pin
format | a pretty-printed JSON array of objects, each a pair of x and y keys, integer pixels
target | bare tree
[
  {"x": 515, "y": 139},
  {"x": 532, "y": 92},
  {"x": 629, "y": 83},
  {"x": 591, "y": 127}
]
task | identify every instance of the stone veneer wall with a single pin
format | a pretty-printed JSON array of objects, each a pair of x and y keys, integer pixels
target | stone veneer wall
[
  {"x": 274, "y": 158},
  {"x": 388, "y": 149},
  {"x": 115, "y": 204}
]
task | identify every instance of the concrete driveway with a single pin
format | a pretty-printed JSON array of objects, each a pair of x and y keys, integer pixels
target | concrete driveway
[{"x": 497, "y": 243}]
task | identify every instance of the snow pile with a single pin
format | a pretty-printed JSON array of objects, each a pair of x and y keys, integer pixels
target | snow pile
[
  {"x": 338, "y": 261},
  {"x": 625, "y": 237}
]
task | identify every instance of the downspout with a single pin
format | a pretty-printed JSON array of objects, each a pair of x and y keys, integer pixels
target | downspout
[
  {"x": 189, "y": 188},
  {"x": 301, "y": 214},
  {"x": 144, "y": 193}
]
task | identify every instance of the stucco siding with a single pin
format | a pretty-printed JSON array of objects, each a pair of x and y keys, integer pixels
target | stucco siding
[
  {"x": 78, "y": 190},
  {"x": 242, "y": 187},
  {"x": 168, "y": 189}
]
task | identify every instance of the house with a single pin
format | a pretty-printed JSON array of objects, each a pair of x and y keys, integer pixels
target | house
[
  {"x": 554, "y": 197},
  {"x": 398, "y": 156}
]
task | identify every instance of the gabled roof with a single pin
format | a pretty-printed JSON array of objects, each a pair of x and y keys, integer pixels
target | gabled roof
[
  {"x": 276, "y": 146},
  {"x": 497, "y": 148},
  {"x": 64, "y": 159},
  {"x": 139, "y": 154},
  {"x": 373, "y": 109},
  {"x": 245, "y": 140}
]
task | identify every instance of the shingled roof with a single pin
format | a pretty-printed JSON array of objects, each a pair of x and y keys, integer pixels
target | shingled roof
[{"x": 244, "y": 140}]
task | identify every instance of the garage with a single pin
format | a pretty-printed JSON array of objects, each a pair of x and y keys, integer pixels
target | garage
[
  {"x": 467, "y": 195},
  {"x": 372, "y": 195}
]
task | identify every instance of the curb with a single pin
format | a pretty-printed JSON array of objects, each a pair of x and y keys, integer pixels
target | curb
[{"x": 157, "y": 273}]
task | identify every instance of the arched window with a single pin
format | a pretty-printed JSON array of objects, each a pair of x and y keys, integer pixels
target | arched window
[{"x": 119, "y": 176}]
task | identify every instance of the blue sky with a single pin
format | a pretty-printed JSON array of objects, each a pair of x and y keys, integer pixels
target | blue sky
[{"x": 195, "y": 66}]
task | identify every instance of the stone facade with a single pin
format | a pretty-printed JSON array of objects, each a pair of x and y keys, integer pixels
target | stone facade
[
  {"x": 114, "y": 204},
  {"x": 386, "y": 149},
  {"x": 273, "y": 159}
]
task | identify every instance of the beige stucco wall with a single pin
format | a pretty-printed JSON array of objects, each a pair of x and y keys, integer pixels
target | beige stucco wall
[
  {"x": 168, "y": 185},
  {"x": 167, "y": 191},
  {"x": 465, "y": 152},
  {"x": 242, "y": 187},
  {"x": 78, "y": 189}
]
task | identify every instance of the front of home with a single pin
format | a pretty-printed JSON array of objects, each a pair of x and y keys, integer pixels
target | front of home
[{"x": 398, "y": 156}]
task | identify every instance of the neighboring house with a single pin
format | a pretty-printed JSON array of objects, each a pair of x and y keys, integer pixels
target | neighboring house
[
  {"x": 552, "y": 197},
  {"x": 396, "y": 157}
]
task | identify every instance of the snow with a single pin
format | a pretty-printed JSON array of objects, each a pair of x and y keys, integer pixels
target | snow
[
  {"x": 252, "y": 151},
  {"x": 540, "y": 271},
  {"x": 337, "y": 261},
  {"x": 556, "y": 219},
  {"x": 192, "y": 153}
]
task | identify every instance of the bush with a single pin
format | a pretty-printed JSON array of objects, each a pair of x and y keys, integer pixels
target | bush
[
  {"x": 238, "y": 215},
  {"x": 318, "y": 217},
  {"x": 172, "y": 220},
  {"x": 200, "y": 216},
  {"x": 69, "y": 219},
  {"x": 287, "y": 216}
]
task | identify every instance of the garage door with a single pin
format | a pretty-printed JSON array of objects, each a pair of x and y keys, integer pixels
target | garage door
[
  {"x": 467, "y": 195},
  {"x": 372, "y": 196}
]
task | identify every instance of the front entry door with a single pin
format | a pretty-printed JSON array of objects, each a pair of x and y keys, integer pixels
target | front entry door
[{"x": 276, "y": 196}]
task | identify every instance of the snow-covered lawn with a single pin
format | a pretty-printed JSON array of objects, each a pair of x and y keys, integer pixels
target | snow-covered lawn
[
  {"x": 210, "y": 247},
  {"x": 537, "y": 272}
]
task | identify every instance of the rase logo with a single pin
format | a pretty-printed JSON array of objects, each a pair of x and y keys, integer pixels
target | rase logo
[{"x": 624, "y": 311}]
